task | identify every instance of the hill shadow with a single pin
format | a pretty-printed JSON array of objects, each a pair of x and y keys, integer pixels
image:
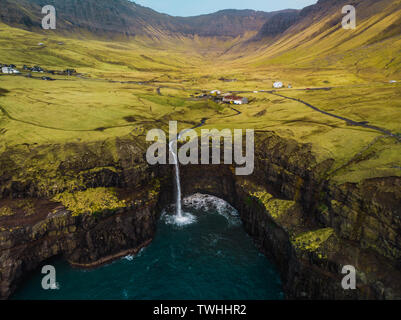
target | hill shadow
[{"x": 3, "y": 92}]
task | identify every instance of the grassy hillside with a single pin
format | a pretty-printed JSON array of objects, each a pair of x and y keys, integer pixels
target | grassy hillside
[
  {"x": 127, "y": 87},
  {"x": 318, "y": 43}
]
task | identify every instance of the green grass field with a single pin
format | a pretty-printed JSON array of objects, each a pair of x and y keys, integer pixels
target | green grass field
[{"x": 117, "y": 95}]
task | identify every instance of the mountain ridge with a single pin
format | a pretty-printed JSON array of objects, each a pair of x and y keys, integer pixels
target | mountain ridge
[
  {"x": 125, "y": 18},
  {"x": 311, "y": 37}
]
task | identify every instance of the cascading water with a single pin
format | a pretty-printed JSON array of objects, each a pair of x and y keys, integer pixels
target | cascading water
[
  {"x": 180, "y": 218},
  {"x": 177, "y": 180}
]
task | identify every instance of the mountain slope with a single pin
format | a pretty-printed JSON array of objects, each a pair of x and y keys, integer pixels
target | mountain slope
[
  {"x": 310, "y": 38},
  {"x": 229, "y": 23},
  {"x": 100, "y": 17},
  {"x": 116, "y": 18},
  {"x": 278, "y": 24},
  {"x": 317, "y": 40}
]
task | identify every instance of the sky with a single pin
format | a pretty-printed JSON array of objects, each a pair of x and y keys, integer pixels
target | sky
[{"x": 196, "y": 7}]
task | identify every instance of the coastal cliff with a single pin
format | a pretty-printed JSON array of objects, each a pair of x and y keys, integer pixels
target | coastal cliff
[{"x": 307, "y": 224}]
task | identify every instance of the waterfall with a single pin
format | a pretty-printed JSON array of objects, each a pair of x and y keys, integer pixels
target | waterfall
[
  {"x": 180, "y": 218},
  {"x": 177, "y": 180}
]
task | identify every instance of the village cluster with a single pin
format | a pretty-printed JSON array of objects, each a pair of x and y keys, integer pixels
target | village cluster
[
  {"x": 9, "y": 69},
  {"x": 230, "y": 98},
  {"x": 217, "y": 96},
  {"x": 12, "y": 69},
  {"x": 227, "y": 98}
]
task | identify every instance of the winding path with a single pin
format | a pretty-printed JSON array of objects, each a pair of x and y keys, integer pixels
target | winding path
[
  {"x": 348, "y": 121},
  {"x": 351, "y": 122}
]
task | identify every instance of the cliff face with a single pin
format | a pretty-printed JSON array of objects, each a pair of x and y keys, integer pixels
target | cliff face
[
  {"x": 309, "y": 226},
  {"x": 122, "y": 18},
  {"x": 225, "y": 23},
  {"x": 33, "y": 228},
  {"x": 278, "y": 24},
  {"x": 84, "y": 241}
]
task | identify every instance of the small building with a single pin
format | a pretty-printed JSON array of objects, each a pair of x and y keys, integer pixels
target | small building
[
  {"x": 241, "y": 100},
  {"x": 215, "y": 92},
  {"x": 5, "y": 69},
  {"x": 9, "y": 70},
  {"x": 235, "y": 100},
  {"x": 69, "y": 72},
  {"x": 37, "y": 69},
  {"x": 278, "y": 84}
]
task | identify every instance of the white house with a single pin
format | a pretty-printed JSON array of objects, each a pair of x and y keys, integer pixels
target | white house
[
  {"x": 240, "y": 100},
  {"x": 278, "y": 85},
  {"x": 9, "y": 70}
]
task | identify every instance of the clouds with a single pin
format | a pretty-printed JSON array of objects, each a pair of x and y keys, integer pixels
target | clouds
[{"x": 193, "y": 7}]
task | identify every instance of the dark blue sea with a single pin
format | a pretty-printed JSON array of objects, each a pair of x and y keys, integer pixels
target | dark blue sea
[{"x": 210, "y": 257}]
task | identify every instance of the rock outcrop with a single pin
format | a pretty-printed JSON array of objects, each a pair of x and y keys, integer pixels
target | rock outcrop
[
  {"x": 278, "y": 24},
  {"x": 85, "y": 241}
]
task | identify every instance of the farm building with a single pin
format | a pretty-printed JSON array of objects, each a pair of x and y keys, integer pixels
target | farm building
[
  {"x": 215, "y": 93},
  {"x": 69, "y": 72},
  {"x": 278, "y": 85},
  {"x": 9, "y": 70},
  {"x": 235, "y": 100},
  {"x": 37, "y": 69}
]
